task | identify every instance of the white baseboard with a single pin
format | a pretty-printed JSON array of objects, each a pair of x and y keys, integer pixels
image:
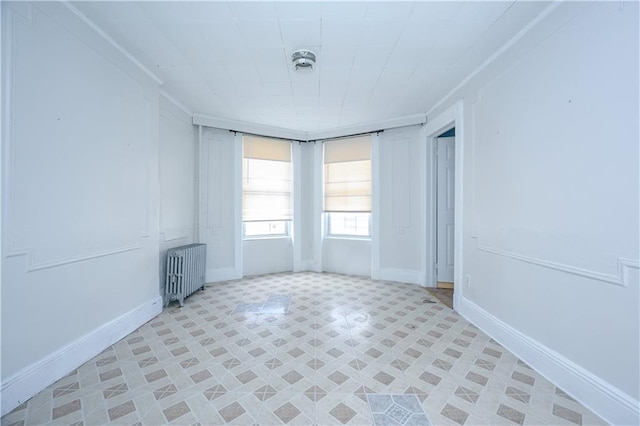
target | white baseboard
[
  {"x": 607, "y": 401},
  {"x": 222, "y": 274},
  {"x": 409, "y": 276},
  {"x": 306, "y": 266},
  {"x": 36, "y": 377}
]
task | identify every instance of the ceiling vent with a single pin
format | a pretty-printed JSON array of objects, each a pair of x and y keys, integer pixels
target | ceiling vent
[{"x": 303, "y": 60}]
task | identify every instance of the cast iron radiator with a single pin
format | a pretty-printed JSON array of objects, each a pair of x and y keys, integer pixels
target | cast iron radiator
[{"x": 185, "y": 272}]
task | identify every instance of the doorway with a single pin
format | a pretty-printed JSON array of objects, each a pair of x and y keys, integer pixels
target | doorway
[
  {"x": 450, "y": 119},
  {"x": 445, "y": 209}
]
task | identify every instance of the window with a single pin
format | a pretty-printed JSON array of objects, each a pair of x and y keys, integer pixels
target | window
[
  {"x": 266, "y": 187},
  {"x": 347, "y": 186}
]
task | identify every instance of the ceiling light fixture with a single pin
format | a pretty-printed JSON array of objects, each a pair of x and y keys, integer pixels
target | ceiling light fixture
[{"x": 303, "y": 60}]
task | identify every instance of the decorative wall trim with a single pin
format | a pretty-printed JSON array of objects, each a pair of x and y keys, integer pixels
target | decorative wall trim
[
  {"x": 375, "y": 207},
  {"x": 497, "y": 54},
  {"x": 620, "y": 278},
  {"x": 237, "y": 204},
  {"x": 36, "y": 377},
  {"x": 172, "y": 234},
  {"x": 32, "y": 266},
  {"x": 607, "y": 401},
  {"x": 151, "y": 155},
  {"x": 8, "y": 213},
  {"x": 8, "y": 69},
  {"x": 318, "y": 222},
  {"x": 296, "y": 154},
  {"x": 111, "y": 41},
  {"x": 401, "y": 275},
  {"x": 179, "y": 105}
]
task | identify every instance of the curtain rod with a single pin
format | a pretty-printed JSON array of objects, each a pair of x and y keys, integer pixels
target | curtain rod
[
  {"x": 377, "y": 132},
  {"x": 235, "y": 132}
]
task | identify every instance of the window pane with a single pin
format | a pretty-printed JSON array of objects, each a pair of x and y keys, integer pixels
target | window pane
[
  {"x": 266, "y": 181},
  {"x": 353, "y": 224},
  {"x": 347, "y": 175},
  {"x": 266, "y": 228}
]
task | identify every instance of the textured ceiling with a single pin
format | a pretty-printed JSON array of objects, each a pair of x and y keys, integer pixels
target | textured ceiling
[{"x": 376, "y": 60}]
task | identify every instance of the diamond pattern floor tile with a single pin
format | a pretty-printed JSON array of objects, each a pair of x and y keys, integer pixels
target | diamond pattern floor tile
[{"x": 304, "y": 349}]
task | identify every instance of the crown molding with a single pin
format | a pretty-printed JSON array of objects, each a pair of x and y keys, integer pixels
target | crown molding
[
  {"x": 111, "y": 41},
  {"x": 504, "y": 48},
  {"x": 178, "y": 104}
]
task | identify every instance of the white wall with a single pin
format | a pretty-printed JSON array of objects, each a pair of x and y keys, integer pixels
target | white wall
[
  {"x": 396, "y": 251},
  {"x": 267, "y": 255},
  {"x": 80, "y": 196},
  {"x": 306, "y": 197},
  {"x": 220, "y": 203},
  {"x": 401, "y": 177},
  {"x": 177, "y": 170},
  {"x": 551, "y": 188},
  {"x": 346, "y": 256}
]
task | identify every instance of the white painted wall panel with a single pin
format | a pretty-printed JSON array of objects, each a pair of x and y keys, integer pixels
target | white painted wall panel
[
  {"x": 219, "y": 203},
  {"x": 346, "y": 256},
  {"x": 177, "y": 141},
  {"x": 551, "y": 200},
  {"x": 56, "y": 139},
  {"x": 306, "y": 195},
  {"x": 266, "y": 256},
  {"x": 563, "y": 187},
  {"x": 402, "y": 194},
  {"x": 80, "y": 193}
]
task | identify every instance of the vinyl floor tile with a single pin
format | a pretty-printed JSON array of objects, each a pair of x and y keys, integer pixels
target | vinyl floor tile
[{"x": 304, "y": 349}]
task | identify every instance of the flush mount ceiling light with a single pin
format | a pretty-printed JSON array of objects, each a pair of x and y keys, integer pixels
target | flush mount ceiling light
[{"x": 303, "y": 60}]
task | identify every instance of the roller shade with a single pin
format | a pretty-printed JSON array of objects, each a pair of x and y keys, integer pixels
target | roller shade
[
  {"x": 347, "y": 175},
  {"x": 266, "y": 179}
]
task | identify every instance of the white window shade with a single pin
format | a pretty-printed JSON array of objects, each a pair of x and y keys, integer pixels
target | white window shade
[
  {"x": 266, "y": 179},
  {"x": 347, "y": 175}
]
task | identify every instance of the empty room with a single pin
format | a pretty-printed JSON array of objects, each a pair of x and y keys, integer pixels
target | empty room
[{"x": 320, "y": 213}]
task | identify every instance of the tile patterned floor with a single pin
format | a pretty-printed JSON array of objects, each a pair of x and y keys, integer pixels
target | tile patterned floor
[{"x": 304, "y": 349}]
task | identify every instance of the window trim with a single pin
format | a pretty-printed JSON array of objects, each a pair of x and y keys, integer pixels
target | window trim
[
  {"x": 287, "y": 235},
  {"x": 327, "y": 234}
]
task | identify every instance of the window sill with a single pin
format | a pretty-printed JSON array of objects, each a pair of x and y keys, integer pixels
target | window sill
[
  {"x": 266, "y": 237},
  {"x": 347, "y": 237}
]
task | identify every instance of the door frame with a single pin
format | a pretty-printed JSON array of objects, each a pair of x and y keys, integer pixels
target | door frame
[{"x": 449, "y": 118}]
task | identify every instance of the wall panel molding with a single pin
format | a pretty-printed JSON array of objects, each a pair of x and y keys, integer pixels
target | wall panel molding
[
  {"x": 171, "y": 234},
  {"x": 32, "y": 265},
  {"x": 111, "y": 41},
  {"x": 620, "y": 278},
  {"x": 15, "y": 245}
]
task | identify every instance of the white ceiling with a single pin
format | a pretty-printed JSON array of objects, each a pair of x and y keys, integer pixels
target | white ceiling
[{"x": 376, "y": 60}]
